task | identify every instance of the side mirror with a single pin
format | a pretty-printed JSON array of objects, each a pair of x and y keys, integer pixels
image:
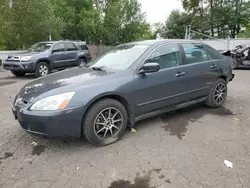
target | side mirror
[{"x": 149, "y": 68}]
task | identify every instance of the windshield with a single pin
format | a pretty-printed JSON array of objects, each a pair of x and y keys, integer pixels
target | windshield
[
  {"x": 39, "y": 47},
  {"x": 119, "y": 58}
]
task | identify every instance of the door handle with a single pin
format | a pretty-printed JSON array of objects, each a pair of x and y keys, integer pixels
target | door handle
[
  {"x": 180, "y": 74},
  {"x": 213, "y": 66}
]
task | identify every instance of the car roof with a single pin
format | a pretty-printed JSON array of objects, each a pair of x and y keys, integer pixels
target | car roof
[
  {"x": 162, "y": 41},
  {"x": 53, "y": 42}
]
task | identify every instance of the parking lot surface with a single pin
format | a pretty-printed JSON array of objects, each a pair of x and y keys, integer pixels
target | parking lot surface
[{"x": 186, "y": 148}]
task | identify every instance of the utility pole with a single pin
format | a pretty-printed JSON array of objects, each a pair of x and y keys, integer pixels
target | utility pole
[
  {"x": 50, "y": 36},
  {"x": 186, "y": 34},
  {"x": 189, "y": 32}
]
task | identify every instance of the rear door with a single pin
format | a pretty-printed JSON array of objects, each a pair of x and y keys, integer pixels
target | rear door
[
  {"x": 165, "y": 87},
  {"x": 70, "y": 54},
  {"x": 57, "y": 55},
  {"x": 202, "y": 69}
]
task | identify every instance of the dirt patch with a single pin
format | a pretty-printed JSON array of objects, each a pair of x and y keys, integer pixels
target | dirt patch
[
  {"x": 177, "y": 121},
  {"x": 167, "y": 181},
  {"x": 161, "y": 176},
  {"x": 38, "y": 149},
  {"x": 158, "y": 170},
  {"x": 6, "y": 83},
  {"x": 6, "y": 155},
  {"x": 140, "y": 182}
]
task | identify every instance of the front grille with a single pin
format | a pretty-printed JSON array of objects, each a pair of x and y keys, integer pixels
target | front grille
[
  {"x": 13, "y": 58},
  {"x": 10, "y": 65}
]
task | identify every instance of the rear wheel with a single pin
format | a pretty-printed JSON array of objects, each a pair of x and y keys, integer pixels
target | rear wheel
[
  {"x": 218, "y": 94},
  {"x": 81, "y": 62},
  {"x": 42, "y": 69},
  {"x": 105, "y": 122},
  {"x": 18, "y": 73}
]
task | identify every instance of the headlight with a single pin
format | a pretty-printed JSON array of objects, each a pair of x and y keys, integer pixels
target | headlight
[
  {"x": 55, "y": 102},
  {"x": 26, "y": 58}
]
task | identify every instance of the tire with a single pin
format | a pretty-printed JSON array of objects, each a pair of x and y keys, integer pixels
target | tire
[
  {"x": 42, "y": 69},
  {"x": 82, "y": 62},
  {"x": 218, "y": 90},
  {"x": 18, "y": 73},
  {"x": 96, "y": 131}
]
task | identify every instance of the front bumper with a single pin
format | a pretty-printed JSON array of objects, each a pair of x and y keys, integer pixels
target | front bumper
[
  {"x": 52, "y": 124},
  {"x": 231, "y": 78},
  {"x": 27, "y": 66}
]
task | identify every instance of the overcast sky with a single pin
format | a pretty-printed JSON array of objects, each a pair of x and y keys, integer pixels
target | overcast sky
[{"x": 158, "y": 10}]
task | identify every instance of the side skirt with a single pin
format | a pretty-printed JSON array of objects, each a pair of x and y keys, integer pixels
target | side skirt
[{"x": 168, "y": 109}]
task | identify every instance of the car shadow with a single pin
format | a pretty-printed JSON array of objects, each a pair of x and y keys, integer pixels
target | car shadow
[{"x": 26, "y": 77}]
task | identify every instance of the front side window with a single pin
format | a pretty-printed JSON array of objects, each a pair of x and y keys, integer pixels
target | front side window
[
  {"x": 196, "y": 53},
  {"x": 167, "y": 56},
  {"x": 59, "y": 47}
]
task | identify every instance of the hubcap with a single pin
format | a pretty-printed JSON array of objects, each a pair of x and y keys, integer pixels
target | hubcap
[
  {"x": 82, "y": 63},
  {"x": 43, "y": 70},
  {"x": 108, "y": 123},
  {"x": 219, "y": 93}
]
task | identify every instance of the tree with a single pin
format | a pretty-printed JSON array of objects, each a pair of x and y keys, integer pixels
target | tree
[
  {"x": 222, "y": 17},
  {"x": 109, "y": 22},
  {"x": 124, "y": 22},
  {"x": 176, "y": 24},
  {"x": 29, "y": 22}
]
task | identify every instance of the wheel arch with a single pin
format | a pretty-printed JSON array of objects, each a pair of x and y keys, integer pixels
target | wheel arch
[
  {"x": 82, "y": 57},
  {"x": 43, "y": 60},
  {"x": 223, "y": 77},
  {"x": 114, "y": 96}
]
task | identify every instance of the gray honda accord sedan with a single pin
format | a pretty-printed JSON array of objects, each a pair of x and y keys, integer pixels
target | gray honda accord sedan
[{"x": 131, "y": 82}]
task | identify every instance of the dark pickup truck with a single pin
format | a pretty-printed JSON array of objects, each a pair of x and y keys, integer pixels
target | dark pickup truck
[{"x": 45, "y": 57}]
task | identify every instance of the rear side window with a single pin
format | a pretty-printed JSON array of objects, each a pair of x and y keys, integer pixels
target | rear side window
[
  {"x": 83, "y": 47},
  {"x": 167, "y": 56},
  {"x": 216, "y": 54},
  {"x": 196, "y": 53},
  {"x": 70, "y": 47}
]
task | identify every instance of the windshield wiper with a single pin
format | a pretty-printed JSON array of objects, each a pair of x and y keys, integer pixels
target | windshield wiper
[{"x": 99, "y": 69}]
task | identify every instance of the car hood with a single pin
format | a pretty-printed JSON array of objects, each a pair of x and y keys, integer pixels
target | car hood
[
  {"x": 59, "y": 82},
  {"x": 25, "y": 53}
]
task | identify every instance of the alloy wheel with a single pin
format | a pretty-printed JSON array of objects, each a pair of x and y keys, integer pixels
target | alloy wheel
[
  {"x": 220, "y": 93},
  {"x": 43, "y": 70},
  {"x": 82, "y": 63},
  {"x": 108, "y": 123}
]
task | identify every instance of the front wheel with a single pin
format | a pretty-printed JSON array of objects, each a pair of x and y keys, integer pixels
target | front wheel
[
  {"x": 218, "y": 94},
  {"x": 42, "y": 69},
  {"x": 105, "y": 122},
  {"x": 18, "y": 73}
]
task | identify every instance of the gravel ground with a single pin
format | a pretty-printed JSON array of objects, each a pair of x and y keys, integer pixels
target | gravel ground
[{"x": 180, "y": 149}]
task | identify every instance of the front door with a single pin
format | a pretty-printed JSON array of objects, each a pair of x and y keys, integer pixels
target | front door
[
  {"x": 202, "y": 69},
  {"x": 165, "y": 87},
  {"x": 57, "y": 56}
]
